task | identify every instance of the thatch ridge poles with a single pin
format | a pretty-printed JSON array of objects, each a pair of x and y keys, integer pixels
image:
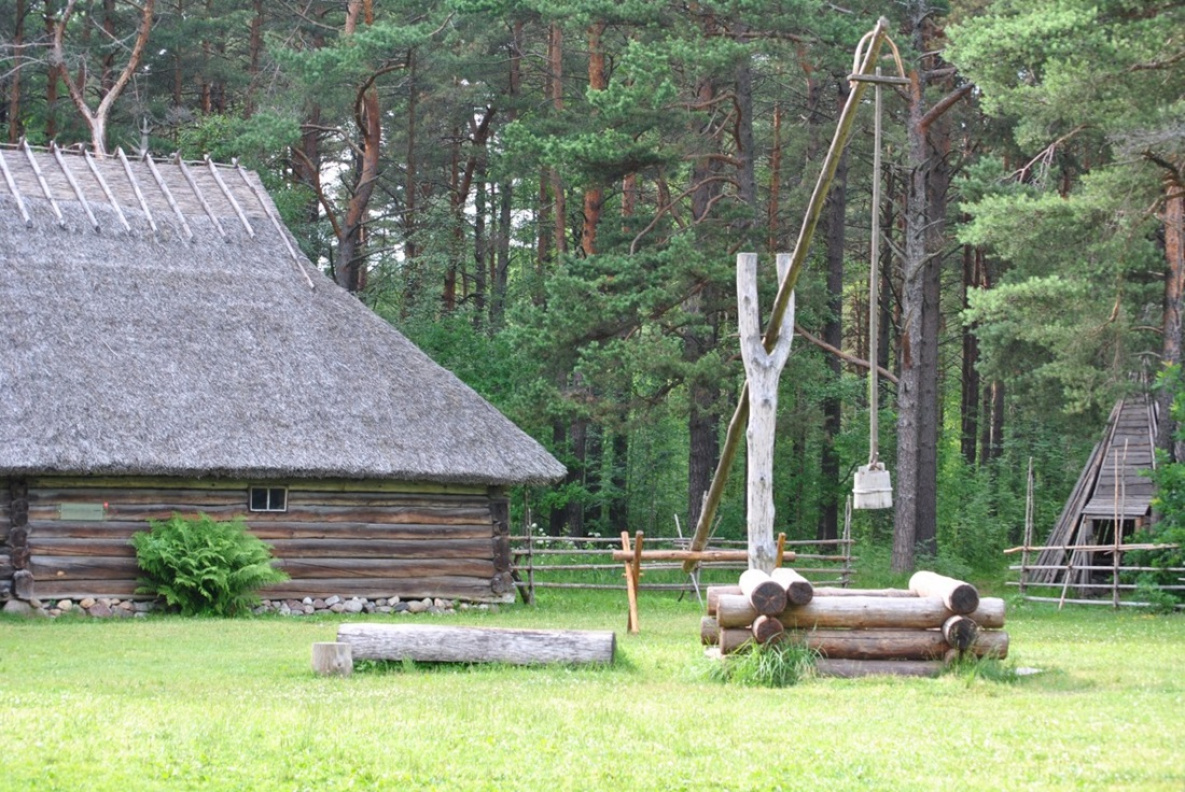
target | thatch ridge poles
[
  {"x": 57, "y": 210},
  {"x": 164, "y": 188},
  {"x": 86, "y": 207},
  {"x": 127, "y": 168},
  {"x": 267, "y": 210},
  {"x": 230, "y": 196},
  {"x": 201, "y": 198},
  {"x": 90, "y": 163},
  {"x": 20, "y": 201},
  {"x": 843, "y": 131}
]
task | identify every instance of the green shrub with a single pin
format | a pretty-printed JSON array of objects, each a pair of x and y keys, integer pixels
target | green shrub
[{"x": 203, "y": 566}]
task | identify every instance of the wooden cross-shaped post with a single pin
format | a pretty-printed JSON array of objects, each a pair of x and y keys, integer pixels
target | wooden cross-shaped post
[{"x": 763, "y": 370}]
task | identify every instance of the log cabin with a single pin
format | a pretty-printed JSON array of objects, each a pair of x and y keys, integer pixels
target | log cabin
[{"x": 165, "y": 348}]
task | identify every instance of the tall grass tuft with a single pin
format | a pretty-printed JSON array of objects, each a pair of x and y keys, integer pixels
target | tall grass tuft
[{"x": 777, "y": 664}]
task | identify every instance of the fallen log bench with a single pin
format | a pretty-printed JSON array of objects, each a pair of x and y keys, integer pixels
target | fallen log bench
[{"x": 430, "y": 643}]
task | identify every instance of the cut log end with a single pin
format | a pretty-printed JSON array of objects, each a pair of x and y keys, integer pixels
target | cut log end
[
  {"x": 333, "y": 659},
  {"x": 959, "y": 597},
  {"x": 768, "y": 598},
  {"x": 799, "y": 590},
  {"x": 960, "y": 632},
  {"x": 766, "y": 629}
]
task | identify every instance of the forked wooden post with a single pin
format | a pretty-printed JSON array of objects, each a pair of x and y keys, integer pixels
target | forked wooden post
[
  {"x": 632, "y": 563},
  {"x": 762, "y": 370}
]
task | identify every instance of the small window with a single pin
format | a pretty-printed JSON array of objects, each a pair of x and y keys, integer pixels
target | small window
[{"x": 269, "y": 499}]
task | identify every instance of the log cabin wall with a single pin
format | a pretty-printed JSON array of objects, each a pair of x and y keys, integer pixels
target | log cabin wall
[
  {"x": 6, "y": 568},
  {"x": 354, "y": 539}
]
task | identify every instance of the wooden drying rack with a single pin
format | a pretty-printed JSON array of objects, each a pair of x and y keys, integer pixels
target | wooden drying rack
[{"x": 633, "y": 556}]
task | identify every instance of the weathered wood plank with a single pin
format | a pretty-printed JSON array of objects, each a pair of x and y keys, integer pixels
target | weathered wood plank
[
  {"x": 45, "y": 568},
  {"x": 432, "y": 643},
  {"x": 321, "y": 485},
  {"x": 115, "y": 546},
  {"x": 116, "y": 529},
  {"x": 475, "y": 589},
  {"x": 76, "y": 589},
  {"x": 351, "y": 548},
  {"x": 301, "y": 497},
  {"x": 322, "y": 514},
  {"x": 337, "y": 531},
  {"x": 306, "y": 569}
]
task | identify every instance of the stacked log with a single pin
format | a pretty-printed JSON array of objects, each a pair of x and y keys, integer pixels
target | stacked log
[{"x": 858, "y": 632}]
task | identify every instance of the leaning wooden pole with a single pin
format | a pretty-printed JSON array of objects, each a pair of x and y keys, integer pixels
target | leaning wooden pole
[{"x": 843, "y": 132}]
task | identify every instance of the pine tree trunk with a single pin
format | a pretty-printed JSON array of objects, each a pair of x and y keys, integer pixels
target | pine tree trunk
[
  {"x": 594, "y": 195},
  {"x": 969, "y": 396},
  {"x": 834, "y": 222},
  {"x": 15, "y": 129},
  {"x": 1174, "y": 292}
]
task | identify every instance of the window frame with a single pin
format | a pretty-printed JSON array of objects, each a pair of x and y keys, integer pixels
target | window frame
[{"x": 269, "y": 497}]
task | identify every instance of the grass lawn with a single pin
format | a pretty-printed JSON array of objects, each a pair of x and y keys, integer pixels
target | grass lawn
[{"x": 172, "y": 704}]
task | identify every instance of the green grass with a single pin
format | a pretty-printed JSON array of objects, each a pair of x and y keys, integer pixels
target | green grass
[{"x": 172, "y": 704}]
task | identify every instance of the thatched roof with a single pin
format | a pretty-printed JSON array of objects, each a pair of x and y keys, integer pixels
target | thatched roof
[{"x": 195, "y": 341}]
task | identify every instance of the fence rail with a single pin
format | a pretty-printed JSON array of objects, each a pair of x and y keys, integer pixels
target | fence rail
[
  {"x": 1084, "y": 576},
  {"x": 545, "y": 562}
]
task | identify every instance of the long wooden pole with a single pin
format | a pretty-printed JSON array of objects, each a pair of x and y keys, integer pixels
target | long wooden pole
[{"x": 843, "y": 132}]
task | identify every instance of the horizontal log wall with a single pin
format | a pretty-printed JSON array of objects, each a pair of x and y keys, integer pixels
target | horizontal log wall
[
  {"x": 6, "y": 568},
  {"x": 363, "y": 539}
]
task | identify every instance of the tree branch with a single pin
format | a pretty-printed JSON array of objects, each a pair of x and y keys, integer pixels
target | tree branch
[
  {"x": 839, "y": 353},
  {"x": 944, "y": 104}
]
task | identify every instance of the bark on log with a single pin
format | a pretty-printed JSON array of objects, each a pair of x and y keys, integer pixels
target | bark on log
[
  {"x": 886, "y": 644},
  {"x": 381, "y": 548},
  {"x": 876, "y": 644},
  {"x": 709, "y": 631},
  {"x": 463, "y": 588},
  {"x": 850, "y": 669},
  {"x": 315, "y": 568},
  {"x": 735, "y": 639},
  {"x": 859, "y": 613},
  {"x": 766, "y": 629},
  {"x": 799, "y": 590},
  {"x": 23, "y": 585},
  {"x": 439, "y": 644},
  {"x": 832, "y": 591},
  {"x": 767, "y": 597},
  {"x": 332, "y": 659},
  {"x": 714, "y": 593},
  {"x": 960, "y": 632},
  {"x": 991, "y": 643},
  {"x": 960, "y": 597},
  {"x": 83, "y": 568}
]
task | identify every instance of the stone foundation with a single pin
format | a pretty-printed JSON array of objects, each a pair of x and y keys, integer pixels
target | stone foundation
[{"x": 110, "y": 607}]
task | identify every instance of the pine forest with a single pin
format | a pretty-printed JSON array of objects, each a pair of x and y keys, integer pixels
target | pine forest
[{"x": 549, "y": 199}]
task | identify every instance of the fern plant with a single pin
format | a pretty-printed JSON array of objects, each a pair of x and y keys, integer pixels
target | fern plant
[{"x": 203, "y": 566}]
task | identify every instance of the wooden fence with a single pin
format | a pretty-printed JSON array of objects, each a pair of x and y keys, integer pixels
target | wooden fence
[
  {"x": 541, "y": 562},
  {"x": 1082, "y": 579}
]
